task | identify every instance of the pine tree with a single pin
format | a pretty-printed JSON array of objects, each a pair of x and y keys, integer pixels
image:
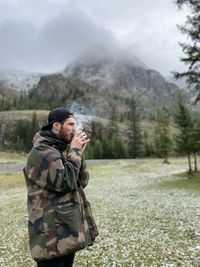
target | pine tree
[
  {"x": 98, "y": 152},
  {"x": 96, "y": 130},
  {"x": 184, "y": 137},
  {"x": 147, "y": 146},
  {"x": 135, "y": 137},
  {"x": 19, "y": 144},
  {"x": 21, "y": 135},
  {"x": 121, "y": 148},
  {"x": 24, "y": 132},
  {"x": 191, "y": 49},
  {"x": 34, "y": 126},
  {"x": 112, "y": 126},
  {"x": 162, "y": 140},
  {"x": 195, "y": 143},
  {"x": 107, "y": 149},
  {"x": 117, "y": 148},
  {"x": 89, "y": 152}
]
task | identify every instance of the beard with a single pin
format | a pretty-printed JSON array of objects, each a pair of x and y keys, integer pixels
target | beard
[{"x": 66, "y": 137}]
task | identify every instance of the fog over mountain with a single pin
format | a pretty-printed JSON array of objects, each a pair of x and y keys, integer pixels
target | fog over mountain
[
  {"x": 103, "y": 80},
  {"x": 45, "y": 35}
]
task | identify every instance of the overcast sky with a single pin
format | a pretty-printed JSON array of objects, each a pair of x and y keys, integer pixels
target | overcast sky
[{"x": 45, "y": 35}]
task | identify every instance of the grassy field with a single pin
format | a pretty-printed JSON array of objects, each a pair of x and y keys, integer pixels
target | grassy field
[{"x": 147, "y": 214}]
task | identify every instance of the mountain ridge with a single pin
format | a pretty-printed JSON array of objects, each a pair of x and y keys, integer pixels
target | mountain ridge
[
  {"x": 19, "y": 80},
  {"x": 97, "y": 83}
]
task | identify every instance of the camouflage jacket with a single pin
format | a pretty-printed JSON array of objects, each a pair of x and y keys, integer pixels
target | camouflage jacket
[{"x": 60, "y": 219}]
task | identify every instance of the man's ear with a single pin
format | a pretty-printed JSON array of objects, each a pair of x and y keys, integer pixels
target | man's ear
[{"x": 56, "y": 126}]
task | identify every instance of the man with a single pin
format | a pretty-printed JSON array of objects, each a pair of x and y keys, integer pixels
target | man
[{"x": 60, "y": 220}]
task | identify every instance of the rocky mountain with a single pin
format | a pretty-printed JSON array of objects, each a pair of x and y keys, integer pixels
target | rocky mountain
[
  {"x": 97, "y": 83},
  {"x": 19, "y": 80},
  {"x": 181, "y": 83},
  {"x": 104, "y": 69},
  {"x": 75, "y": 94},
  {"x": 122, "y": 75}
]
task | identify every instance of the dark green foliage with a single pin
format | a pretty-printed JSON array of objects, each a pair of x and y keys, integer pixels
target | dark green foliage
[
  {"x": 187, "y": 140},
  {"x": 98, "y": 151},
  {"x": 184, "y": 123},
  {"x": 117, "y": 148},
  {"x": 113, "y": 127},
  {"x": 106, "y": 146},
  {"x": 135, "y": 136},
  {"x": 34, "y": 126},
  {"x": 23, "y": 134},
  {"x": 162, "y": 140},
  {"x": 195, "y": 142},
  {"x": 191, "y": 49},
  {"x": 148, "y": 149},
  {"x": 89, "y": 153},
  {"x": 31, "y": 100},
  {"x": 5, "y": 105},
  {"x": 105, "y": 143},
  {"x": 111, "y": 148}
]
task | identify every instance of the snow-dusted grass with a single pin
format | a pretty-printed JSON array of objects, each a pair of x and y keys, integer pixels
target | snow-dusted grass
[{"x": 147, "y": 214}]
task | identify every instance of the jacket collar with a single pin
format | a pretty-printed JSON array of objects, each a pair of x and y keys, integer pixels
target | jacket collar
[{"x": 49, "y": 138}]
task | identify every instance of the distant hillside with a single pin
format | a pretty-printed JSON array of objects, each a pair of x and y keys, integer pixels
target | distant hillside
[
  {"x": 6, "y": 93},
  {"x": 19, "y": 80},
  {"x": 8, "y": 121}
]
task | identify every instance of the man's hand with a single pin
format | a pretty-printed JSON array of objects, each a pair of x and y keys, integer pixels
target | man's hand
[
  {"x": 84, "y": 146},
  {"x": 79, "y": 141}
]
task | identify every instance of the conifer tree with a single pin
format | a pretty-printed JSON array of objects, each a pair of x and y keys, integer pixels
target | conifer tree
[
  {"x": 148, "y": 149},
  {"x": 21, "y": 136},
  {"x": 121, "y": 148},
  {"x": 135, "y": 137},
  {"x": 24, "y": 132},
  {"x": 89, "y": 153},
  {"x": 162, "y": 140},
  {"x": 112, "y": 126},
  {"x": 34, "y": 125},
  {"x": 195, "y": 143},
  {"x": 98, "y": 152},
  {"x": 191, "y": 49},
  {"x": 184, "y": 137}
]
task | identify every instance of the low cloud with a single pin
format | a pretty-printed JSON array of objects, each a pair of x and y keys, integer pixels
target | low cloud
[
  {"x": 46, "y": 35},
  {"x": 52, "y": 46}
]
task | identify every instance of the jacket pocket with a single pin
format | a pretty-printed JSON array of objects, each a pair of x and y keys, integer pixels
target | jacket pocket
[{"x": 70, "y": 230}]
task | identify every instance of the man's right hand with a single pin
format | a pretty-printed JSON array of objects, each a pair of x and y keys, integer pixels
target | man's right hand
[{"x": 79, "y": 141}]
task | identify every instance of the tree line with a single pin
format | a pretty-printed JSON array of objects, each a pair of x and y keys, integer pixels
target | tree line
[
  {"x": 31, "y": 100},
  {"x": 109, "y": 142}
]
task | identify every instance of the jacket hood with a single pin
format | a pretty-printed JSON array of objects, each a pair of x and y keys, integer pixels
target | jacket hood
[{"x": 50, "y": 139}]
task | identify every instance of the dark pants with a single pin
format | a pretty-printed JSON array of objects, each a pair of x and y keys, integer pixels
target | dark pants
[{"x": 66, "y": 261}]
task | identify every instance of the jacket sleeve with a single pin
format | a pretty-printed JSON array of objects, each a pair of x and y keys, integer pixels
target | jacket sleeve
[
  {"x": 83, "y": 174},
  {"x": 47, "y": 169}
]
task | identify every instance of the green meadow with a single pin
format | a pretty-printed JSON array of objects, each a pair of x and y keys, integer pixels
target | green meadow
[{"x": 147, "y": 214}]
